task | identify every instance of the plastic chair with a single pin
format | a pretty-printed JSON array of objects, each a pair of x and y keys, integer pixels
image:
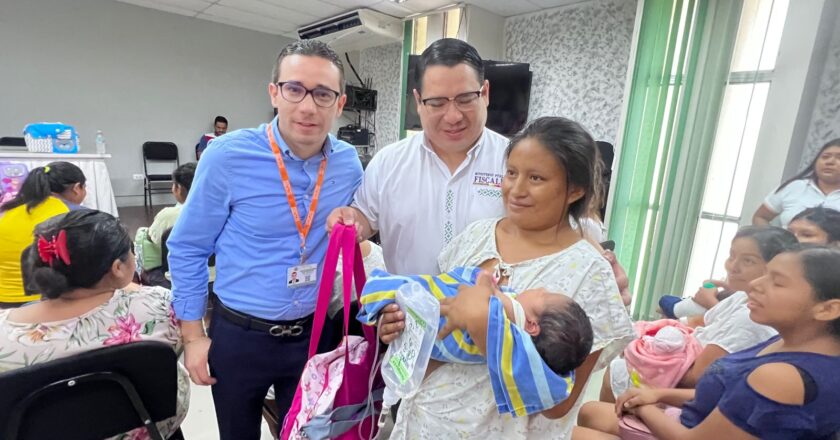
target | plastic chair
[{"x": 92, "y": 395}]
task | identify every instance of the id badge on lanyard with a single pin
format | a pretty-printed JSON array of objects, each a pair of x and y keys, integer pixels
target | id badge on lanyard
[{"x": 302, "y": 274}]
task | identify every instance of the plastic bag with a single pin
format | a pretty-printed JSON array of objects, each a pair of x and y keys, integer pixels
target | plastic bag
[{"x": 405, "y": 362}]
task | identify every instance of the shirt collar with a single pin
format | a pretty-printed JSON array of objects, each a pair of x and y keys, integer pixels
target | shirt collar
[
  {"x": 816, "y": 188},
  {"x": 327, "y": 149}
]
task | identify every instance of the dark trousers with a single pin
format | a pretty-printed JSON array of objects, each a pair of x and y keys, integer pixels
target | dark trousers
[{"x": 245, "y": 363}]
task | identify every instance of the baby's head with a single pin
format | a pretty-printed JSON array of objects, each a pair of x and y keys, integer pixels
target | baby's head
[{"x": 559, "y": 327}]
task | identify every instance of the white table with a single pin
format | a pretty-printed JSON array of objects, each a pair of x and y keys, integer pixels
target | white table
[{"x": 100, "y": 194}]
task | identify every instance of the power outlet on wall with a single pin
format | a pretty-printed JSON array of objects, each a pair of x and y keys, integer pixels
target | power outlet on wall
[{"x": 137, "y": 176}]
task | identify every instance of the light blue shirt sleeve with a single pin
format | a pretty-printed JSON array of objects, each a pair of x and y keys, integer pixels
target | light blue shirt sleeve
[{"x": 193, "y": 239}]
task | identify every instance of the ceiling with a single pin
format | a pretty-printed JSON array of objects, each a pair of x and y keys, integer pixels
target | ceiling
[{"x": 283, "y": 17}]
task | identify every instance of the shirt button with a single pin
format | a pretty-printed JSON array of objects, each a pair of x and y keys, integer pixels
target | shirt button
[{"x": 297, "y": 303}]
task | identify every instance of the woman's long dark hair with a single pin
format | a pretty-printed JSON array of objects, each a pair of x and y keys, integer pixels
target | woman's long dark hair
[
  {"x": 770, "y": 240},
  {"x": 94, "y": 240},
  {"x": 56, "y": 177},
  {"x": 820, "y": 265},
  {"x": 574, "y": 149},
  {"x": 811, "y": 171}
]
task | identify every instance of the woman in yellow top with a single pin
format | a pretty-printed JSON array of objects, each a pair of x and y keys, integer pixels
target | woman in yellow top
[{"x": 47, "y": 191}]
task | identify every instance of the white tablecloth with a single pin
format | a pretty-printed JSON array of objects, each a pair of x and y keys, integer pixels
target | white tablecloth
[{"x": 100, "y": 194}]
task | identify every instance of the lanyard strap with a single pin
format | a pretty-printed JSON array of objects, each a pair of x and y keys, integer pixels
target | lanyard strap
[{"x": 303, "y": 228}]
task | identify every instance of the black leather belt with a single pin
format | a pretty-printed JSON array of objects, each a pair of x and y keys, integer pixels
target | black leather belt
[{"x": 274, "y": 328}]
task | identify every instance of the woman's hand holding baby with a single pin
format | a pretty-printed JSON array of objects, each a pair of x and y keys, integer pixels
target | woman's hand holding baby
[{"x": 469, "y": 310}]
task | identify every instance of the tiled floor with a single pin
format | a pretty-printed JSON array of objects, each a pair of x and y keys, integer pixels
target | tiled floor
[
  {"x": 200, "y": 423},
  {"x": 201, "y": 419}
]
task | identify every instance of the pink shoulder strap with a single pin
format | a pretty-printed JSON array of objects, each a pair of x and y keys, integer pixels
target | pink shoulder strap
[{"x": 342, "y": 241}]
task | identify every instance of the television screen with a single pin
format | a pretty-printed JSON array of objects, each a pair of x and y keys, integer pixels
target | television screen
[{"x": 510, "y": 94}]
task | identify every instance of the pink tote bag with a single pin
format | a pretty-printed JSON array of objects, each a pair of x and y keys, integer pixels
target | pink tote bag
[{"x": 333, "y": 399}]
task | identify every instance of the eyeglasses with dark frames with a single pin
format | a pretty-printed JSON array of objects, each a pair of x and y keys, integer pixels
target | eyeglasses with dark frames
[
  {"x": 295, "y": 92},
  {"x": 463, "y": 101}
]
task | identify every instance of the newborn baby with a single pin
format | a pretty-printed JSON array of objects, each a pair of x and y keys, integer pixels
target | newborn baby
[{"x": 535, "y": 339}]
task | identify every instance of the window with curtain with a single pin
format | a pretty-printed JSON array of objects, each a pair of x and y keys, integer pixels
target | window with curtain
[
  {"x": 679, "y": 77},
  {"x": 751, "y": 72}
]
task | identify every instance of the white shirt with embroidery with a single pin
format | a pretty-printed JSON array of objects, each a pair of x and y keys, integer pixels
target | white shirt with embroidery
[
  {"x": 409, "y": 195},
  {"x": 456, "y": 400}
]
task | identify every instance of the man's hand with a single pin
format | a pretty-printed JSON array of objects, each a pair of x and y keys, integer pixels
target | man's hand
[
  {"x": 391, "y": 323},
  {"x": 350, "y": 216},
  {"x": 195, "y": 358},
  {"x": 469, "y": 309}
]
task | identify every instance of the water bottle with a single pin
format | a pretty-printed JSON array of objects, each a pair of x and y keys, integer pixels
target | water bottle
[{"x": 100, "y": 142}]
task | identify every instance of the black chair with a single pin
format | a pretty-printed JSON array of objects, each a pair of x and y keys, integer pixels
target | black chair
[
  {"x": 13, "y": 141},
  {"x": 92, "y": 395},
  {"x": 158, "y": 152}
]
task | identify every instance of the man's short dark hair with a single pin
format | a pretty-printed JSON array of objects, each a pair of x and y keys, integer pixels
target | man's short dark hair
[
  {"x": 220, "y": 119},
  {"x": 449, "y": 52},
  {"x": 312, "y": 48},
  {"x": 565, "y": 337}
]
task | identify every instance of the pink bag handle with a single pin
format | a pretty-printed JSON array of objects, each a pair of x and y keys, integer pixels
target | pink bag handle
[
  {"x": 325, "y": 287},
  {"x": 342, "y": 241},
  {"x": 353, "y": 265}
]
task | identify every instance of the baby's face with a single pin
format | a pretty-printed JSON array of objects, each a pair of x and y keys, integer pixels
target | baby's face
[{"x": 536, "y": 301}]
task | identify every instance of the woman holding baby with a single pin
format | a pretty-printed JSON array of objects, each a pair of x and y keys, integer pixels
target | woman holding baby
[{"x": 550, "y": 176}]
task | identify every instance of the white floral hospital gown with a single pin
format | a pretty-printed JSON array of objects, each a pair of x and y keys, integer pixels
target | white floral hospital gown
[
  {"x": 456, "y": 400},
  {"x": 142, "y": 315}
]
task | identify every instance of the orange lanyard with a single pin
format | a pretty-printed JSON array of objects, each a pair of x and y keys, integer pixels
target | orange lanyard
[{"x": 303, "y": 228}]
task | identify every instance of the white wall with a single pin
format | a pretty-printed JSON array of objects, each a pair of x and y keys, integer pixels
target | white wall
[
  {"x": 579, "y": 55},
  {"x": 825, "y": 120},
  {"x": 484, "y": 32},
  {"x": 382, "y": 64},
  {"x": 790, "y": 101},
  {"x": 135, "y": 73}
]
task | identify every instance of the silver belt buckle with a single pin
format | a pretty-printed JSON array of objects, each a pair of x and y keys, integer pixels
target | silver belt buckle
[{"x": 285, "y": 330}]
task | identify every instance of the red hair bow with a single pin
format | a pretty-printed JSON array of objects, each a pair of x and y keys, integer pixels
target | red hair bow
[{"x": 49, "y": 250}]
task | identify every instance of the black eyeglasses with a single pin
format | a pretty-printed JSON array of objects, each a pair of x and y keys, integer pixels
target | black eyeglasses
[
  {"x": 463, "y": 101},
  {"x": 295, "y": 92}
]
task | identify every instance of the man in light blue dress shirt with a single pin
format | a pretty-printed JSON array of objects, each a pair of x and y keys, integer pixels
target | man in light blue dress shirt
[{"x": 263, "y": 214}]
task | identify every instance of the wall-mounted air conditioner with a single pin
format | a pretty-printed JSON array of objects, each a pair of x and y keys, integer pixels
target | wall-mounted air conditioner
[{"x": 355, "y": 30}]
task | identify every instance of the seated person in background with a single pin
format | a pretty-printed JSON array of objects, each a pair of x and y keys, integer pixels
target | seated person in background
[
  {"x": 817, "y": 185},
  {"x": 818, "y": 225},
  {"x": 784, "y": 388},
  {"x": 149, "y": 240},
  {"x": 220, "y": 126},
  {"x": 47, "y": 191},
  {"x": 546, "y": 336},
  {"x": 82, "y": 264},
  {"x": 182, "y": 179},
  {"x": 726, "y": 327},
  {"x": 751, "y": 249}
]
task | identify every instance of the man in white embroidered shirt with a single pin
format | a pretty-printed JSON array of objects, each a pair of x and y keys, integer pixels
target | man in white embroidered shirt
[{"x": 422, "y": 191}]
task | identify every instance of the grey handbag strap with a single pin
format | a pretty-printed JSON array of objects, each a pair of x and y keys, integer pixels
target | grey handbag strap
[{"x": 342, "y": 419}]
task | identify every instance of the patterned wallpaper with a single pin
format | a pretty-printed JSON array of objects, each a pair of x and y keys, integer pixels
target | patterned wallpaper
[
  {"x": 382, "y": 64},
  {"x": 825, "y": 121},
  {"x": 579, "y": 56}
]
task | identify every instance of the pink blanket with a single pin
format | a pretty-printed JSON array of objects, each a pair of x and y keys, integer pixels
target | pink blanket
[{"x": 663, "y": 352}]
